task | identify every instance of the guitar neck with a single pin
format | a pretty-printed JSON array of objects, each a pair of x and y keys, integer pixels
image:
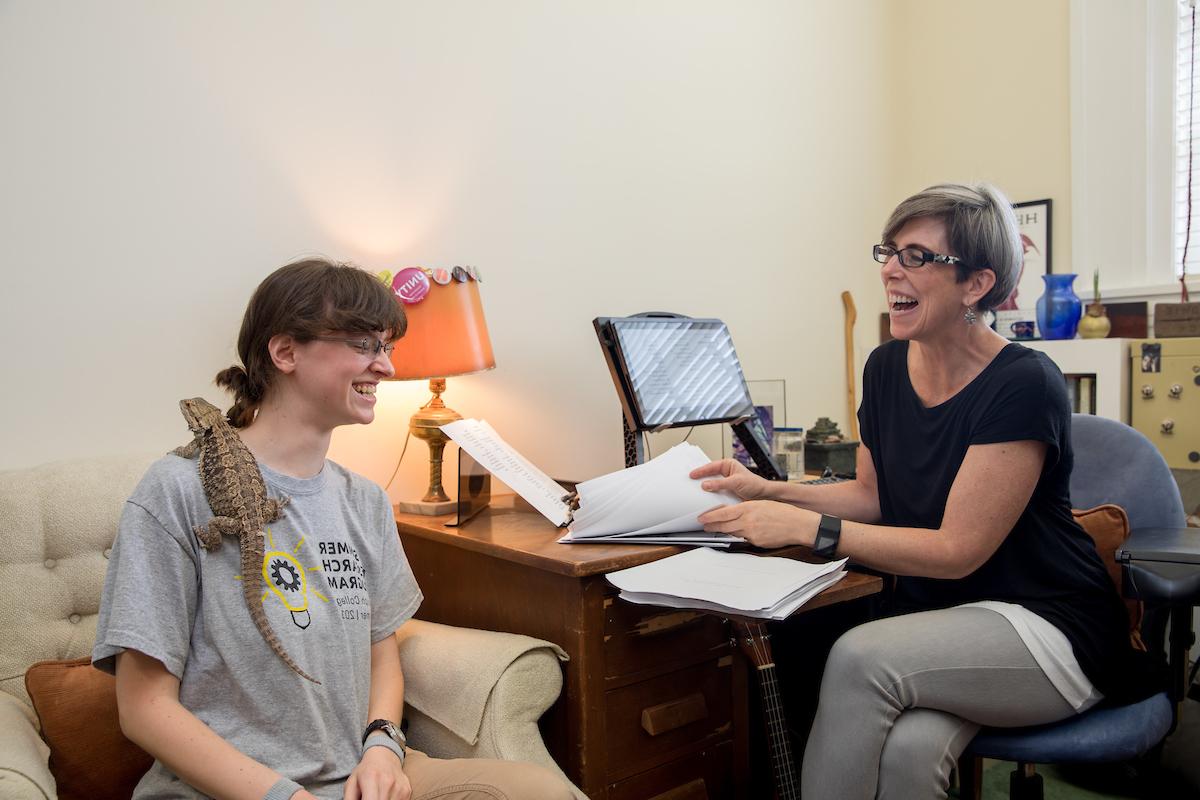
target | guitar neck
[
  {"x": 787, "y": 785},
  {"x": 754, "y": 640}
]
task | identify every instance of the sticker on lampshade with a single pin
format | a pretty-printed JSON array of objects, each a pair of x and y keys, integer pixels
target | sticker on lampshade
[
  {"x": 385, "y": 276},
  {"x": 461, "y": 275},
  {"x": 473, "y": 273},
  {"x": 411, "y": 284},
  {"x": 476, "y": 274},
  {"x": 441, "y": 276}
]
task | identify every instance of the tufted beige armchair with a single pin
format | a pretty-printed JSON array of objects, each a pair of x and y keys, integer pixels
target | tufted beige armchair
[{"x": 469, "y": 693}]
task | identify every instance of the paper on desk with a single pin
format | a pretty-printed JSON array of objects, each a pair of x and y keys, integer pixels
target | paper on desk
[
  {"x": 652, "y": 498},
  {"x": 740, "y": 582},
  {"x": 781, "y": 610},
  {"x": 680, "y": 539},
  {"x": 498, "y": 457}
]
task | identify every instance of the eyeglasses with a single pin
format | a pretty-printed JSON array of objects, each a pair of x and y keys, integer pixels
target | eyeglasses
[
  {"x": 911, "y": 257},
  {"x": 366, "y": 346}
]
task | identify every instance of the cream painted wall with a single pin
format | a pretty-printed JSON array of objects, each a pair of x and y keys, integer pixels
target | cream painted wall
[
  {"x": 985, "y": 95},
  {"x": 709, "y": 158}
]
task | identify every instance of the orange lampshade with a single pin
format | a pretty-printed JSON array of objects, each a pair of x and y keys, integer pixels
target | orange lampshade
[{"x": 447, "y": 334}]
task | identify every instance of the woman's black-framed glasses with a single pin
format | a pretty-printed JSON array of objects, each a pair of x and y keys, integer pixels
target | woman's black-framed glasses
[
  {"x": 365, "y": 346},
  {"x": 911, "y": 257}
]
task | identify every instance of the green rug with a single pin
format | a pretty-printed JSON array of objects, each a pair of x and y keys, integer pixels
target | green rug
[
  {"x": 1088, "y": 782},
  {"x": 1057, "y": 786}
]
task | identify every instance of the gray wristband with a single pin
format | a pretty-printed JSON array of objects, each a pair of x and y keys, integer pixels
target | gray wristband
[
  {"x": 282, "y": 789},
  {"x": 385, "y": 741}
]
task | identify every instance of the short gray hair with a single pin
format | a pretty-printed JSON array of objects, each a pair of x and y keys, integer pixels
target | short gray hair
[{"x": 981, "y": 227}]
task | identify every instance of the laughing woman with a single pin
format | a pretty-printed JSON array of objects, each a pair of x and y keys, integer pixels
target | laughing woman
[
  {"x": 198, "y": 687},
  {"x": 1003, "y": 612}
]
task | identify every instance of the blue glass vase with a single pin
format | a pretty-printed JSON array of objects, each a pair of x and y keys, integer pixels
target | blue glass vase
[{"x": 1058, "y": 310}]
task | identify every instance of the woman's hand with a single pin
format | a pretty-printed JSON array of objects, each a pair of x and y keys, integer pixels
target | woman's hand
[
  {"x": 378, "y": 776},
  {"x": 763, "y": 523},
  {"x": 732, "y": 476}
]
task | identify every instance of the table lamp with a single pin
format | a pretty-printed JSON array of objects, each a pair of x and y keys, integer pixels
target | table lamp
[{"x": 446, "y": 336}]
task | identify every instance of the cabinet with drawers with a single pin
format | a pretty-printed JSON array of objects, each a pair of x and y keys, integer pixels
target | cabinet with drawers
[
  {"x": 654, "y": 700},
  {"x": 1166, "y": 397}
]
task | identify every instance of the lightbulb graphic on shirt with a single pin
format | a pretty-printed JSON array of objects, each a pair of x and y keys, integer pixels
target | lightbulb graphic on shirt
[{"x": 286, "y": 578}]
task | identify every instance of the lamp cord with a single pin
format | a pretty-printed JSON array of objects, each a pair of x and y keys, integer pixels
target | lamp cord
[
  {"x": 646, "y": 440},
  {"x": 403, "y": 450}
]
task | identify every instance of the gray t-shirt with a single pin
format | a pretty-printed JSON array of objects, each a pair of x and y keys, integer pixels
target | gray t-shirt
[{"x": 334, "y": 581}]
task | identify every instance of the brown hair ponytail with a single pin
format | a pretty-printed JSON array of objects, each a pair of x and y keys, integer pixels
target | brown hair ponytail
[
  {"x": 245, "y": 398},
  {"x": 303, "y": 299}
]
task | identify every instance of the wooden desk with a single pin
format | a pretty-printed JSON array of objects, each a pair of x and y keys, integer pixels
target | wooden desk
[{"x": 654, "y": 698}]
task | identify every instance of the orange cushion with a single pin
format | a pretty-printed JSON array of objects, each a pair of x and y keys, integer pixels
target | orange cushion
[
  {"x": 77, "y": 706},
  {"x": 1108, "y": 526}
]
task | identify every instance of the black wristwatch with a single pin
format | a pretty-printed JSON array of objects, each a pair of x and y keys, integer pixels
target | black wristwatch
[
  {"x": 388, "y": 727},
  {"x": 829, "y": 532}
]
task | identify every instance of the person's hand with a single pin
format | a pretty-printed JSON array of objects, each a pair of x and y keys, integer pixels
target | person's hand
[
  {"x": 378, "y": 776},
  {"x": 763, "y": 523},
  {"x": 732, "y": 476}
]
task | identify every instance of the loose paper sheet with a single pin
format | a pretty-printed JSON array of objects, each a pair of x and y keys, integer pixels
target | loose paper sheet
[{"x": 498, "y": 456}]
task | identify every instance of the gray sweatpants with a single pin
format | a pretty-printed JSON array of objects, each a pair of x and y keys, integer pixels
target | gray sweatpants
[{"x": 901, "y": 697}]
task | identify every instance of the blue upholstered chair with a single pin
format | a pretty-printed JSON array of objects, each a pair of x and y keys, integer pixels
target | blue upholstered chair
[{"x": 1113, "y": 464}]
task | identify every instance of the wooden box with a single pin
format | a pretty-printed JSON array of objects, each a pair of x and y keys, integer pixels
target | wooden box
[{"x": 1176, "y": 319}]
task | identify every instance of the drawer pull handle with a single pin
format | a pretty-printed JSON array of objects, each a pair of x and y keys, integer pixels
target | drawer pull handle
[
  {"x": 665, "y": 623},
  {"x": 667, "y": 717},
  {"x": 692, "y": 790},
  {"x": 1168, "y": 425},
  {"x": 1176, "y": 390},
  {"x": 1147, "y": 390}
]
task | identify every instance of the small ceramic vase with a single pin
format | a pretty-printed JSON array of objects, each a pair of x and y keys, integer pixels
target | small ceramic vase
[
  {"x": 1095, "y": 324},
  {"x": 1059, "y": 309}
]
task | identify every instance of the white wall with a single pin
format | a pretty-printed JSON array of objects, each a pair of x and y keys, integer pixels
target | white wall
[
  {"x": 984, "y": 94},
  {"x": 158, "y": 160}
]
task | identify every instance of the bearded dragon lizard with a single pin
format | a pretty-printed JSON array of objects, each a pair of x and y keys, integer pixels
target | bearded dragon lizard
[{"x": 237, "y": 495}]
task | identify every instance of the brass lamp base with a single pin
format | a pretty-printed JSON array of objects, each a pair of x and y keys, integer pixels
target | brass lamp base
[{"x": 426, "y": 424}]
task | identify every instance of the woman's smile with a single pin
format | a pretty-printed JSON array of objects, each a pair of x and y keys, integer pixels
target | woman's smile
[{"x": 900, "y": 303}]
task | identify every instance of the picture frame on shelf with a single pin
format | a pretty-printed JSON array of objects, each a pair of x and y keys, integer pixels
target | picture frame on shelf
[{"x": 1034, "y": 222}]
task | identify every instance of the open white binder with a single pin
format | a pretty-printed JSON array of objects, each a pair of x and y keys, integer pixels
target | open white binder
[{"x": 651, "y": 503}]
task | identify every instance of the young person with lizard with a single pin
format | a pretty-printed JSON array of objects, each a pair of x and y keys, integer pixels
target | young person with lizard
[{"x": 306, "y": 706}]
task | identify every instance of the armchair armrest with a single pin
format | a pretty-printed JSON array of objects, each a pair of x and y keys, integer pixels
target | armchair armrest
[
  {"x": 478, "y": 694},
  {"x": 24, "y": 767}
]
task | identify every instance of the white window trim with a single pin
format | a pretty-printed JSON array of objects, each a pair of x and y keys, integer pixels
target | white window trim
[{"x": 1122, "y": 62}]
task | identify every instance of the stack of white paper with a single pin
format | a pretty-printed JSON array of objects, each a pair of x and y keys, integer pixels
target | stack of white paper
[
  {"x": 652, "y": 503},
  {"x": 741, "y": 584}
]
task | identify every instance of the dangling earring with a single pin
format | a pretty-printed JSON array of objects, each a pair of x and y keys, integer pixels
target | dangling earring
[{"x": 970, "y": 316}]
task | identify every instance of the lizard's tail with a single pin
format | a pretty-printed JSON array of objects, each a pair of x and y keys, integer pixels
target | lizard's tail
[{"x": 252, "y": 591}]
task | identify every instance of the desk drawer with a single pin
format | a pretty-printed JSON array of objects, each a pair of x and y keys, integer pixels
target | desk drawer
[
  {"x": 707, "y": 775},
  {"x": 659, "y": 719},
  {"x": 638, "y": 638}
]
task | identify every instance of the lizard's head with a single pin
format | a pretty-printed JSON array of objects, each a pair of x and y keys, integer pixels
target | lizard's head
[{"x": 199, "y": 413}]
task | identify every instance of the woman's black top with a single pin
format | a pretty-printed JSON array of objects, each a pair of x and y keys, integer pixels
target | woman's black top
[{"x": 1047, "y": 563}]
